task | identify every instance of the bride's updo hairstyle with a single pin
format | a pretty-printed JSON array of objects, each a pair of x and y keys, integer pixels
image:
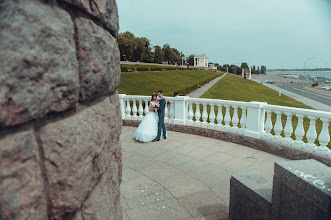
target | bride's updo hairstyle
[{"x": 154, "y": 94}]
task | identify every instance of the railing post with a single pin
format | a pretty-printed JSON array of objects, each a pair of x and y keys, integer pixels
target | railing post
[
  {"x": 122, "y": 104},
  {"x": 255, "y": 119},
  {"x": 180, "y": 110}
]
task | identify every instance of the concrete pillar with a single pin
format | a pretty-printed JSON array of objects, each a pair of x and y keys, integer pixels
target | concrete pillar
[
  {"x": 255, "y": 119},
  {"x": 180, "y": 110},
  {"x": 242, "y": 72}
]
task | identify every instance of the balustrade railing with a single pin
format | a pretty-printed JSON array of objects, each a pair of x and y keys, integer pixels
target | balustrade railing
[{"x": 298, "y": 128}]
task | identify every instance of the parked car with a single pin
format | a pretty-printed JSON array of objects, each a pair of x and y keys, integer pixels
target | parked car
[
  {"x": 269, "y": 81},
  {"x": 327, "y": 81}
]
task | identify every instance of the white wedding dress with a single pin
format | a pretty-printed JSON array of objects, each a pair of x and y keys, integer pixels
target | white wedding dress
[{"x": 147, "y": 130}]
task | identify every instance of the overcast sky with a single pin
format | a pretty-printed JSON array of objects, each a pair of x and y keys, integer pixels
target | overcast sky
[{"x": 275, "y": 33}]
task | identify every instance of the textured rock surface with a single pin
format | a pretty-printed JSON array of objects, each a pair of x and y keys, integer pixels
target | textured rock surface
[
  {"x": 21, "y": 185},
  {"x": 83, "y": 162},
  {"x": 104, "y": 10},
  {"x": 99, "y": 61},
  {"x": 39, "y": 69}
]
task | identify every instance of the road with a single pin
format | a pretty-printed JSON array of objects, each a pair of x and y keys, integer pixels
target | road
[{"x": 311, "y": 93}]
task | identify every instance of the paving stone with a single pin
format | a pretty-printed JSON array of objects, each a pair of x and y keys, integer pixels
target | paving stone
[
  {"x": 160, "y": 171},
  {"x": 205, "y": 172},
  {"x": 185, "y": 149},
  {"x": 201, "y": 153},
  {"x": 218, "y": 158},
  {"x": 129, "y": 174},
  {"x": 169, "y": 209},
  {"x": 139, "y": 162},
  {"x": 191, "y": 165}
]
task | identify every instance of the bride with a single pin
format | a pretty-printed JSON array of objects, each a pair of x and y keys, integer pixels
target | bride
[{"x": 147, "y": 130}]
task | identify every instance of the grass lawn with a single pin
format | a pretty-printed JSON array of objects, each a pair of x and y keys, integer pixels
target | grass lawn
[
  {"x": 239, "y": 89},
  {"x": 171, "y": 82}
]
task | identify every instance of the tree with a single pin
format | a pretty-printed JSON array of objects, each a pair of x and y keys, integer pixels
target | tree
[
  {"x": 167, "y": 52},
  {"x": 126, "y": 45},
  {"x": 263, "y": 70},
  {"x": 244, "y": 66},
  {"x": 190, "y": 60},
  {"x": 138, "y": 49},
  {"x": 158, "y": 54}
]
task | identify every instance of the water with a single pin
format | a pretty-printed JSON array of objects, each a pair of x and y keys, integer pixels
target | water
[{"x": 326, "y": 74}]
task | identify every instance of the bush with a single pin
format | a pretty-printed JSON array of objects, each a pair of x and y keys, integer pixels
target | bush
[
  {"x": 125, "y": 69},
  {"x": 315, "y": 84},
  {"x": 156, "y": 69},
  {"x": 142, "y": 69}
]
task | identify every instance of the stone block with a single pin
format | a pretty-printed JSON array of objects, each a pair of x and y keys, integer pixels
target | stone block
[
  {"x": 83, "y": 162},
  {"x": 250, "y": 196},
  {"x": 301, "y": 190},
  {"x": 21, "y": 183},
  {"x": 105, "y": 11},
  {"x": 39, "y": 69},
  {"x": 99, "y": 60}
]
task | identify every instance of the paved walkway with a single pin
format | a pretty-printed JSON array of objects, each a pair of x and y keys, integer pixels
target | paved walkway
[
  {"x": 316, "y": 105},
  {"x": 184, "y": 176},
  {"x": 200, "y": 91}
]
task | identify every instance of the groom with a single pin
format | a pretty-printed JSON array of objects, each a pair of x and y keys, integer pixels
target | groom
[{"x": 160, "y": 111}]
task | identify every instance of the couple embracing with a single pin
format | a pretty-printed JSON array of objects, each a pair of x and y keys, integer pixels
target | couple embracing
[{"x": 152, "y": 128}]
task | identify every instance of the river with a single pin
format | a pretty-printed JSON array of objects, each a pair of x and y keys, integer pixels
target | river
[{"x": 326, "y": 74}]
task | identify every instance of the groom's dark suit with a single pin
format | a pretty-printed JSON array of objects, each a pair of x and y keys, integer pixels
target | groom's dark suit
[{"x": 161, "y": 125}]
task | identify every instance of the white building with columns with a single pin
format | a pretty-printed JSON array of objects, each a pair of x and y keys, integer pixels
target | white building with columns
[{"x": 201, "y": 61}]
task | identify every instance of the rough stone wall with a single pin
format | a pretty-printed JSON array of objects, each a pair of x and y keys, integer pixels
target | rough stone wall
[{"x": 60, "y": 155}]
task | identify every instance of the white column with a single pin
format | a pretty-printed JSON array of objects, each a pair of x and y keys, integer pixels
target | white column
[
  {"x": 190, "y": 114},
  {"x": 227, "y": 118},
  {"x": 172, "y": 111},
  {"x": 311, "y": 135},
  {"x": 197, "y": 114},
  {"x": 255, "y": 119},
  {"x": 166, "y": 114},
  {"x": 219, "y": 117},
  {"x": 278, "y": 128},
  {"x": 212, "y": 116},
  {"x": 134, "y": 110},
  {"x": 180, "y": 110},
  {"x": 250, "y": 73},
  {"x": 204, "y": 115},
  {"x": 128, "y": 109},
  {"x": 288, "y": 129},
  {"x": 268, "y": 125},
  {"x": 243, "y": 120},
  {"x": 140, "y": 109},
  {"x": 242, "y": 72},
  {"x": 146, "y": 110},
  {"x": 235, "y": 119}
]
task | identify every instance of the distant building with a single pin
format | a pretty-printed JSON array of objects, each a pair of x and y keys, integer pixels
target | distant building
[
  {"x": 201, "y": 61},
  {"x": 212, "y": 66}
]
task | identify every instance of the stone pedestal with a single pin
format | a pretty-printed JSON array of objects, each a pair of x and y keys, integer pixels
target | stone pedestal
[
  {"x": 250, "y": 196},
  {"x": 301, "y": 190}
]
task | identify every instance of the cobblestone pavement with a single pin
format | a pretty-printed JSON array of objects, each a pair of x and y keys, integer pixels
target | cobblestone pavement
[{"x": 183, "y": 177}]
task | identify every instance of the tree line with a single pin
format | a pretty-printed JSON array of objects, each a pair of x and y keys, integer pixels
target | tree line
[
  {"x": 140, "y": 49},
  {"x": 238, "y": 70}
]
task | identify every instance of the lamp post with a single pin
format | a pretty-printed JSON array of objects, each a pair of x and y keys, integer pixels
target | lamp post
[{"x": 303, "y": 83}]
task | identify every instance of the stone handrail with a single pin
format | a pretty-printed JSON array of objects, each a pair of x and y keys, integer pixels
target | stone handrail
[{"x": 252, "y": 119}]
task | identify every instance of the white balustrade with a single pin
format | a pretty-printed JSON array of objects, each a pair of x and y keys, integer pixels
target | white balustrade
[
  {"x": 311, "y": 135},
  {"x": 243, "y": 120},
  {"x": 140, "y": 110},
  {"x": 227, "y": 118},
  {"x": 235, "y": 119},
  {"x": 252, "y": 121},
  {"x": 299, "y": 133},
  {"x": 128, "y": 109},
  {"x": 324, "y": 138},
  {"x": 288, "y": 129},
  {"x": 134, "y": 110},
  {"x": 268, "y": 125},
  {"x": 204, "y": 115},
  {"x": 219, "y": 117},
  {"x": 146, "y": 111},
  {"x": 190, "y": 114},
  {"x": 278, "y": 128},
  {"x": 212, "y": 116},
  {"x": 197, "y": 114}
]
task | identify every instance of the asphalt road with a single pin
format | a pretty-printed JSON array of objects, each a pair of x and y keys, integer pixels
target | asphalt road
[{"x": 311, "y": 93}]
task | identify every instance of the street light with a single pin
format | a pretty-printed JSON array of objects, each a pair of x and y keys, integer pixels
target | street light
[{"x": 303, "y": 83}]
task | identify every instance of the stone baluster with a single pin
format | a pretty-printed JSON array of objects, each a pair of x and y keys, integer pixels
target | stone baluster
[
  {"x": 128, "y": 109},
  {"x": 146, "y": 110},
  {"x": 197, "y": 114},
  {"x": 134, "y": 110},
  {"x": 204, "y": 116},
  {"x": 243, "y": 120},
  {"x": 227, "y": 118},
  {"x": 122, "y": 105},
  {"x": 212, "y": 116},
  {"x": 299, "y": 133},
  {"x": 278, "y": 128},
  {"x": 235, "y": 119},
  {"x": 190, "y": 114},
  {"x": 311, "y": 135},
  {"x": 140, "y": 110},
  {"x": 219, "y": 117},
  {"x": 268, "y": 125},
  {"x": 172, "y": 111},
  {"x": 324, "y": 138},
  {"x": 166, "y": 114},
  {"x": 288, "y": 129}
]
